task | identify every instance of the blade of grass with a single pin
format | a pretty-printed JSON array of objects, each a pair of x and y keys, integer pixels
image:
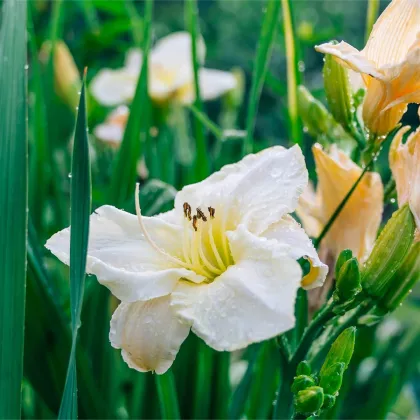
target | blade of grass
[
  {"x": 372, "y": 14},
  {"x": 136, "y": 22},
  {"x": 264, "y": 50},
  {"x": 241, "y": 393},
  {"x": 201, "y": 163},
  {"x": 221, "y": 388},
  {"x": 13, "y": 203},
  {"x": 89, "y": 11},
  {"x": 168, "y": 400},
  {"x": 293, "y": 74},
  {"x": 125, "y": 168},
  {"x": 79, "y": 233},
  {"x": 207, "y": 122}
]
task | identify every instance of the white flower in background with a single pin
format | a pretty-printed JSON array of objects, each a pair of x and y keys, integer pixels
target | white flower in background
[
  {"x": 170, "y": 75},
  {"x": 112, "y": 130},
  {"x": 389, "y": 64},
  {"x": 222, "y": 263}
]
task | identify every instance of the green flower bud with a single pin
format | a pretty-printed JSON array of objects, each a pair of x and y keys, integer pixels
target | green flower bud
[
  {"x": 234, "y": 97},
  {"x": 388, "y": 253},
  {"x": 403, "y": 280},
  {"x": 304, "y": 368},
  {"x": 342, "y": 349},
  {"x": 332, "y": 377},
  {"x": 302, "y": 382},
  {"x": 320, "y": 123},
  {"x": 329, "y": 401},
  {"x": 348, "y": 280},
  {"x": 338, "y": 91},
  {"x": 309, "y": 400},
  {"x": 344, "y": 256}
]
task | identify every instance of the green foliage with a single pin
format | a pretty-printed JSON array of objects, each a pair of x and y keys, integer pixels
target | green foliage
[{"x": 13, "y": 203}]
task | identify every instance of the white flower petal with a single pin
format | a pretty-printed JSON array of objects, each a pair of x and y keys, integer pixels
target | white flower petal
[
  {"x": 134, "y": 60},
  {"x": 250, "y": 302},
  {"x": 113, "y": 87},
  {"x": 112, "y": 130},
  {"x": 213, "y": 83},
  {"x": 148, "y": 334},
  {"x": 288, "y": 231},
  {"x": 257, "y": 191},
  {"x": 122, "y": 259},
  {"x": 174, "y": 51}
]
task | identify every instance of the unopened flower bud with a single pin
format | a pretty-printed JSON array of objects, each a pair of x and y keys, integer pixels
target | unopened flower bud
[
  {"x": 332, "y": 378},
  {"x": 348, "y": 280},
  {"x": 320, "y": 123},
  {"x": 341, "y": 351},
  {"x": 344, "y": 256},
  {"x": 66, "y": 76},
  {"x": 304, "y": 368},
  {"x": 302, "y": 382},
  {"x": 329, "y": 401},
  {"x": 388, "y": 253},
  {"x": 403, "y": 280},
  {"x": 338, "y": 91},
  {"x": 234, "y": 97},
  {"x": 309, "y": 400}
]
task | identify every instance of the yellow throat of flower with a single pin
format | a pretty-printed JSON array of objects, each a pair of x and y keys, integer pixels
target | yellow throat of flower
[{"x": 205, "y": 247}]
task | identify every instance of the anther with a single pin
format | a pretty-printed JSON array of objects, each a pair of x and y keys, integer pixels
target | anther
[
  {"x": 194, "y": 223},
  {"x": 212, "y": 212},
  {"x": 187, "y": 211},
  {"x": 201, "y": 215}
]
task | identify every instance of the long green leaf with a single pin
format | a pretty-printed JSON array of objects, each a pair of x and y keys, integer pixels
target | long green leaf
[
  {"x": 264, "y": 50},
  {"x": 168, "y": 399},
  {"x": 201, "y": 162},
  {"x": 293, "y": 74},
  {"x": 135, "y": 135},
  {"x": 13, "y": 203},
  {"x": 372, "y": 14},
  {"x": 79, "y": 233}
]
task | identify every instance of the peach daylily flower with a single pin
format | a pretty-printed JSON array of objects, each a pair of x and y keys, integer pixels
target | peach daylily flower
[
  {"x": 389, "y": 65},
  {"x": 357, "y": 225}
]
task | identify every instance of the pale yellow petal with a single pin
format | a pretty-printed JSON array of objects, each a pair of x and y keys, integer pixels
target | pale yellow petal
[
  {"x": 357, "y": 225},
  {"x": 394, "y": 33}
]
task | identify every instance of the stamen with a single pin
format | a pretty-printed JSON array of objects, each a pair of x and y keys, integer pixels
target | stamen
[
  {"x": 149, "y": 239},
  {"x": 194, "y": 223},
  {"x": 212, "y": 212},
  {"x": 215, "y": 250},
  {"x": 201, "y": 215},
  {"x": 203, "y": 257},
  {"x": 186, "y": 243},
  {"x": 187, "y": 211}
]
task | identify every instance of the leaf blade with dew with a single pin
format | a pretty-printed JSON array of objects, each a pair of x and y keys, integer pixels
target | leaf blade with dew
[
  {"x": 125, "y": 166},
  {"x": 79, "y": 233},
  {"x": 13, "y": 203},
  {"x": 264, "y": 49},
  {"x": 201, "y": 162},
  {"x": 293, "y": 74}
]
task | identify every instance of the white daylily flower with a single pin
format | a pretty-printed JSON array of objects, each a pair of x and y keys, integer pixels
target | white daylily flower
[
  {"x": 112, "y": 130},
  {"x": 229, "y": 273},
  {"x": 170, "y": 74}
]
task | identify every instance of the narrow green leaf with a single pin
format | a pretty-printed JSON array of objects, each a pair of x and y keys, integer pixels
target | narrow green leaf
[
  {"x": 79, "y": 233},
  {"x": 13, "y": 203},
  {"x": 125, "y": 169},
  {"x": 201, "y": 162},
  {"x": 264, "y": 50},
  {"x": 372, "y": 14},
  {"x": 168, "y": 399},
  {"x": 293, "y": 74},
  {"x": 135, "y": 20},
  {"x": 221, "y": 385},
  {"x": 207, "y": 122}
]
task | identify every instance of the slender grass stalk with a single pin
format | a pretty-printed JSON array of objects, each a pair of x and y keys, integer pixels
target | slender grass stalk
[
  {"x": 293, "y": 74},
  {"x": 125, "y": 168},
  {"x": 221, "y": 387},
  {"x": 371, "y": 16},
  {"x": 168, "y": 399},
  {"x": 80, "y": 215},
  {"x": 89, "y": 11},
  {"x": 136, "y": 22},
  {"x": 13, "y": 203},
  {"x": 264, "y": 50},
  {"x": 201, "y": 162},
  {"x": 207, "y": 122}
]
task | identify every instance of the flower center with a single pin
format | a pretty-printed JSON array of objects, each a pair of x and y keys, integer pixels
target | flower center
[{"x": 205, "y": 247}]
